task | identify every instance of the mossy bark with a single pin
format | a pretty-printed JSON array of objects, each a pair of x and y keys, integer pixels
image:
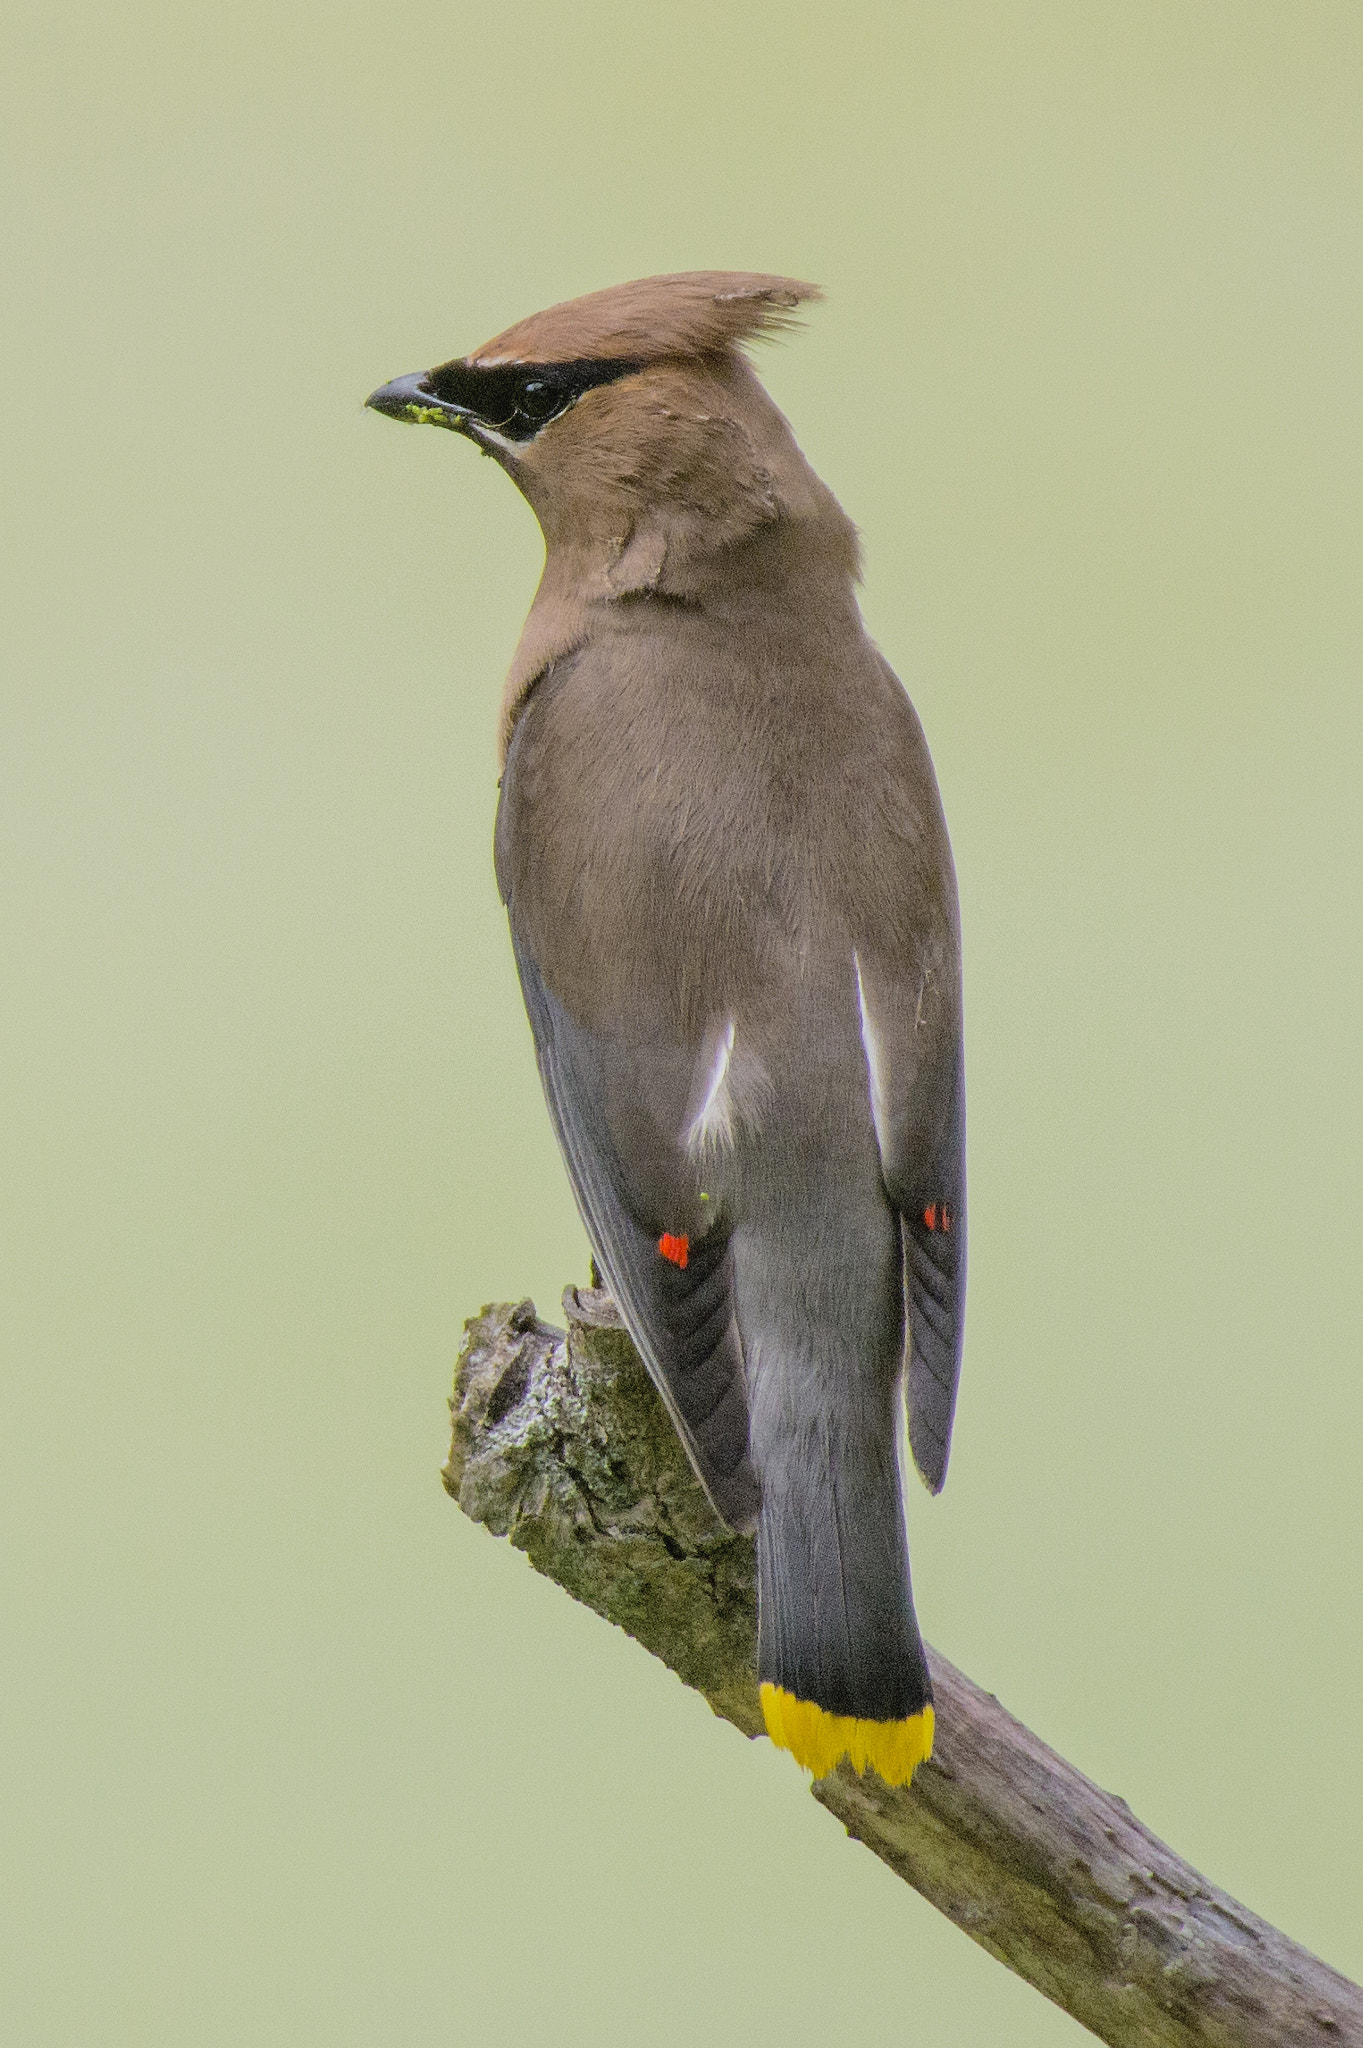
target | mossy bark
[{"x": 562, "y": 1444}]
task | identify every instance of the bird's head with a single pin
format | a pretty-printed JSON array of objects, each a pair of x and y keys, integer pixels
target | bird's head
[{"x": 634, "y": 425}]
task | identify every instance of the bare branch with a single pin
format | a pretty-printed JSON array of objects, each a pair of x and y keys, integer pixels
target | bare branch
[{"x": 563, "y": 1446}]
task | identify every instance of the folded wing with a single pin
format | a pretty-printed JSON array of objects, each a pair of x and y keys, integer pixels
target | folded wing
[
  {"x": 911, "y": 1032},
  {"x": 681, "y": 1316}
]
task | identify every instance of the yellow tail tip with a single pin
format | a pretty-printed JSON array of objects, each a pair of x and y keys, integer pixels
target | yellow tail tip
[{"x": 819, "y": 1740}]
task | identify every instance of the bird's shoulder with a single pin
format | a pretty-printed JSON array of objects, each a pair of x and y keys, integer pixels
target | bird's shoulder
[
  {"x": 671, "y": 790},
  {"x": 683, "y": 711}
]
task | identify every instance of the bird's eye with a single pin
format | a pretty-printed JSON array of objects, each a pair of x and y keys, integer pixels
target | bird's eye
[{"x": 537, "y": 400}]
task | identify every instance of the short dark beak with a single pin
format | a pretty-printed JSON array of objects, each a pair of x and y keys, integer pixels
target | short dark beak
[{"x": 411, "y": 398}]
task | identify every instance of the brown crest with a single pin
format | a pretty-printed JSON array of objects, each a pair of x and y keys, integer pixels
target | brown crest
[{"x": 691, "y": 313}]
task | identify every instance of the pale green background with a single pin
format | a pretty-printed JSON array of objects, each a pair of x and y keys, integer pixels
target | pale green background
[{"x": 291, "y": 1754}]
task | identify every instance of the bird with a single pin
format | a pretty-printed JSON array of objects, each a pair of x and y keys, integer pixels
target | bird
[{"x": 732, "y": 903}]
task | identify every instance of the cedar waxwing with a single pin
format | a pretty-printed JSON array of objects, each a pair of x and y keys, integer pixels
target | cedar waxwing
[{"x": 732, "y": 902}]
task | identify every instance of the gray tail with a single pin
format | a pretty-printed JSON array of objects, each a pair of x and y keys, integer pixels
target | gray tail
[{"x": 836, "y": 1625}]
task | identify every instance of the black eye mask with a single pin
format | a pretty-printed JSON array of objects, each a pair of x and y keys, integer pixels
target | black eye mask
[{"x": 516, "y": 401}]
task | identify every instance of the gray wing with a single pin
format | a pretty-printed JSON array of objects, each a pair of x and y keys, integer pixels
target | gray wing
[
  {"x": 932, "y": 1209},
  {"x": 617, "y": 1095},
  {"x": 915, "y": 1051},
  {"x": 682, "y": 1319}
]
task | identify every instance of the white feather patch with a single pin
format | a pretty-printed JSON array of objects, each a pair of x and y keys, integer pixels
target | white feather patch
[
  {"x": 875, "y": 1063},
  {"x": 711, "y": 1121},
  {"x": 481, "y": 432},
  {"x": 730, "y": 1089}
]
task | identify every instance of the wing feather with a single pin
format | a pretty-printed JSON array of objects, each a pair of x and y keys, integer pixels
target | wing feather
[
  {"x": 911, "y": 1034},
  {"x": 682, "y": 1319}
]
